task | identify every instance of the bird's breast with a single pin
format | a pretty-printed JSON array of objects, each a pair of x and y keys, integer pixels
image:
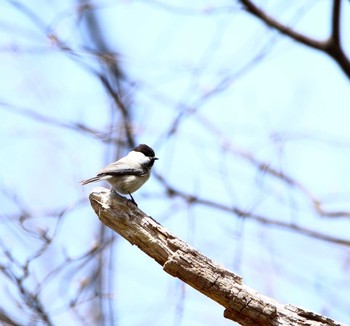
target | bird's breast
[{"x": 128, "y": 183}]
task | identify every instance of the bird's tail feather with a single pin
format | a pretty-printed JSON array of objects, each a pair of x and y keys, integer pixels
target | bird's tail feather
[{"x": 94, "y": 179}]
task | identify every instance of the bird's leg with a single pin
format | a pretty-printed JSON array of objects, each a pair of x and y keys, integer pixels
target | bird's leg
[{"x": 132, "y": 199}]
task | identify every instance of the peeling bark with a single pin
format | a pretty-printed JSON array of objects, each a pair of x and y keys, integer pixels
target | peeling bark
[{"x": 242, "y": 304}]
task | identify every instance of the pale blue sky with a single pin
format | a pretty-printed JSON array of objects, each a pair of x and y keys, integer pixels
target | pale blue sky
[{"x": 173, "y": 58}]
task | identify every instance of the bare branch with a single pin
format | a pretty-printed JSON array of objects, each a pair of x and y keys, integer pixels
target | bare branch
[
  {"x": 334, "y": 48},
  {"x": 242, "y": 304},
  {"x": 259, "y": 13},
  {"x": 331, "y": 46},
  {"x": 7, "y": 320},
  {"x": 336, "y": 21},
  {"x": 251, "y": 216},
  {"x": 32, "y": 300}
]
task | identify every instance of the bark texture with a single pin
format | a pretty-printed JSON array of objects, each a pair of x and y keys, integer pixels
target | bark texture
[{"x": 242, "y": 304}]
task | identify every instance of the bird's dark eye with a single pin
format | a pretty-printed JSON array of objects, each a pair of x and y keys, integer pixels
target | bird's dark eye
[{"x": 151, "y": 162}]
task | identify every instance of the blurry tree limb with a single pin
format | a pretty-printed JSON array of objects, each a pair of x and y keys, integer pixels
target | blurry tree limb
[
  {"x": 274, "y": 172},
  {"x": 331, "y": 46},
  {"x": 242, "y": 304},
  {"x": 7, "y": 320},
  {"x": 190, "y": 199}
]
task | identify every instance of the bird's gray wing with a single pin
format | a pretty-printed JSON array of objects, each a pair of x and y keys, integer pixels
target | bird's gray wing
[{"x": 120, "y": 168}]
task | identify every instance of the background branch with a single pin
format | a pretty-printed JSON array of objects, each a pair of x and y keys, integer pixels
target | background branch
[
  {"x": 331, "y": 46},
  {"x": 288, "y": 31}
]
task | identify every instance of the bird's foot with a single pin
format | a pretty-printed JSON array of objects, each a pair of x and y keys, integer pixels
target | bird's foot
[{"x": 132, "y": 200}]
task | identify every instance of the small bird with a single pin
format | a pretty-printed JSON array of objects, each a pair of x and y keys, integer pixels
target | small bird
[{"x": 129, "y": 173}]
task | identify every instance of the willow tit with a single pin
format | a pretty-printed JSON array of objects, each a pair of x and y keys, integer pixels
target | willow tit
[{"x": 129, "y": 173}]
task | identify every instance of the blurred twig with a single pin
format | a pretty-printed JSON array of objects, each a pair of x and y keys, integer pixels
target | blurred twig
[{"x": 332, "y": 46}]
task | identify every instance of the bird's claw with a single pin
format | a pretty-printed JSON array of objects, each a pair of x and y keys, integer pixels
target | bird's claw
[{"x": 132, "y": 200}]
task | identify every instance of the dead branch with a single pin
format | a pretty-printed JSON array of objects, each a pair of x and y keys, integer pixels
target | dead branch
[{"x": 242, "y": 304}]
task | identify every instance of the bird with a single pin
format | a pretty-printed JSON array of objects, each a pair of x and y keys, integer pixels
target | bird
[{"x": 129, "y": 173}]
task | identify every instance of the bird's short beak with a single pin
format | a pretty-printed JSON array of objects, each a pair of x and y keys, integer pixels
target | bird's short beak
[{"x": 155, "y": 158}]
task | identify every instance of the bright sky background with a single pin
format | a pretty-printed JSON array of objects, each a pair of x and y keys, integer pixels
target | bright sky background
[{"x": 178, "y": 56}]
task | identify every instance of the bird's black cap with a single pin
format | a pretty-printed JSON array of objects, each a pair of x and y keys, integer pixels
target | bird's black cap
[{"x": 146, "y": 150}]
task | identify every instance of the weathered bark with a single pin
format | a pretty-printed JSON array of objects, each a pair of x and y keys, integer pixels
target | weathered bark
[{"x": 242, "y": 304}]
